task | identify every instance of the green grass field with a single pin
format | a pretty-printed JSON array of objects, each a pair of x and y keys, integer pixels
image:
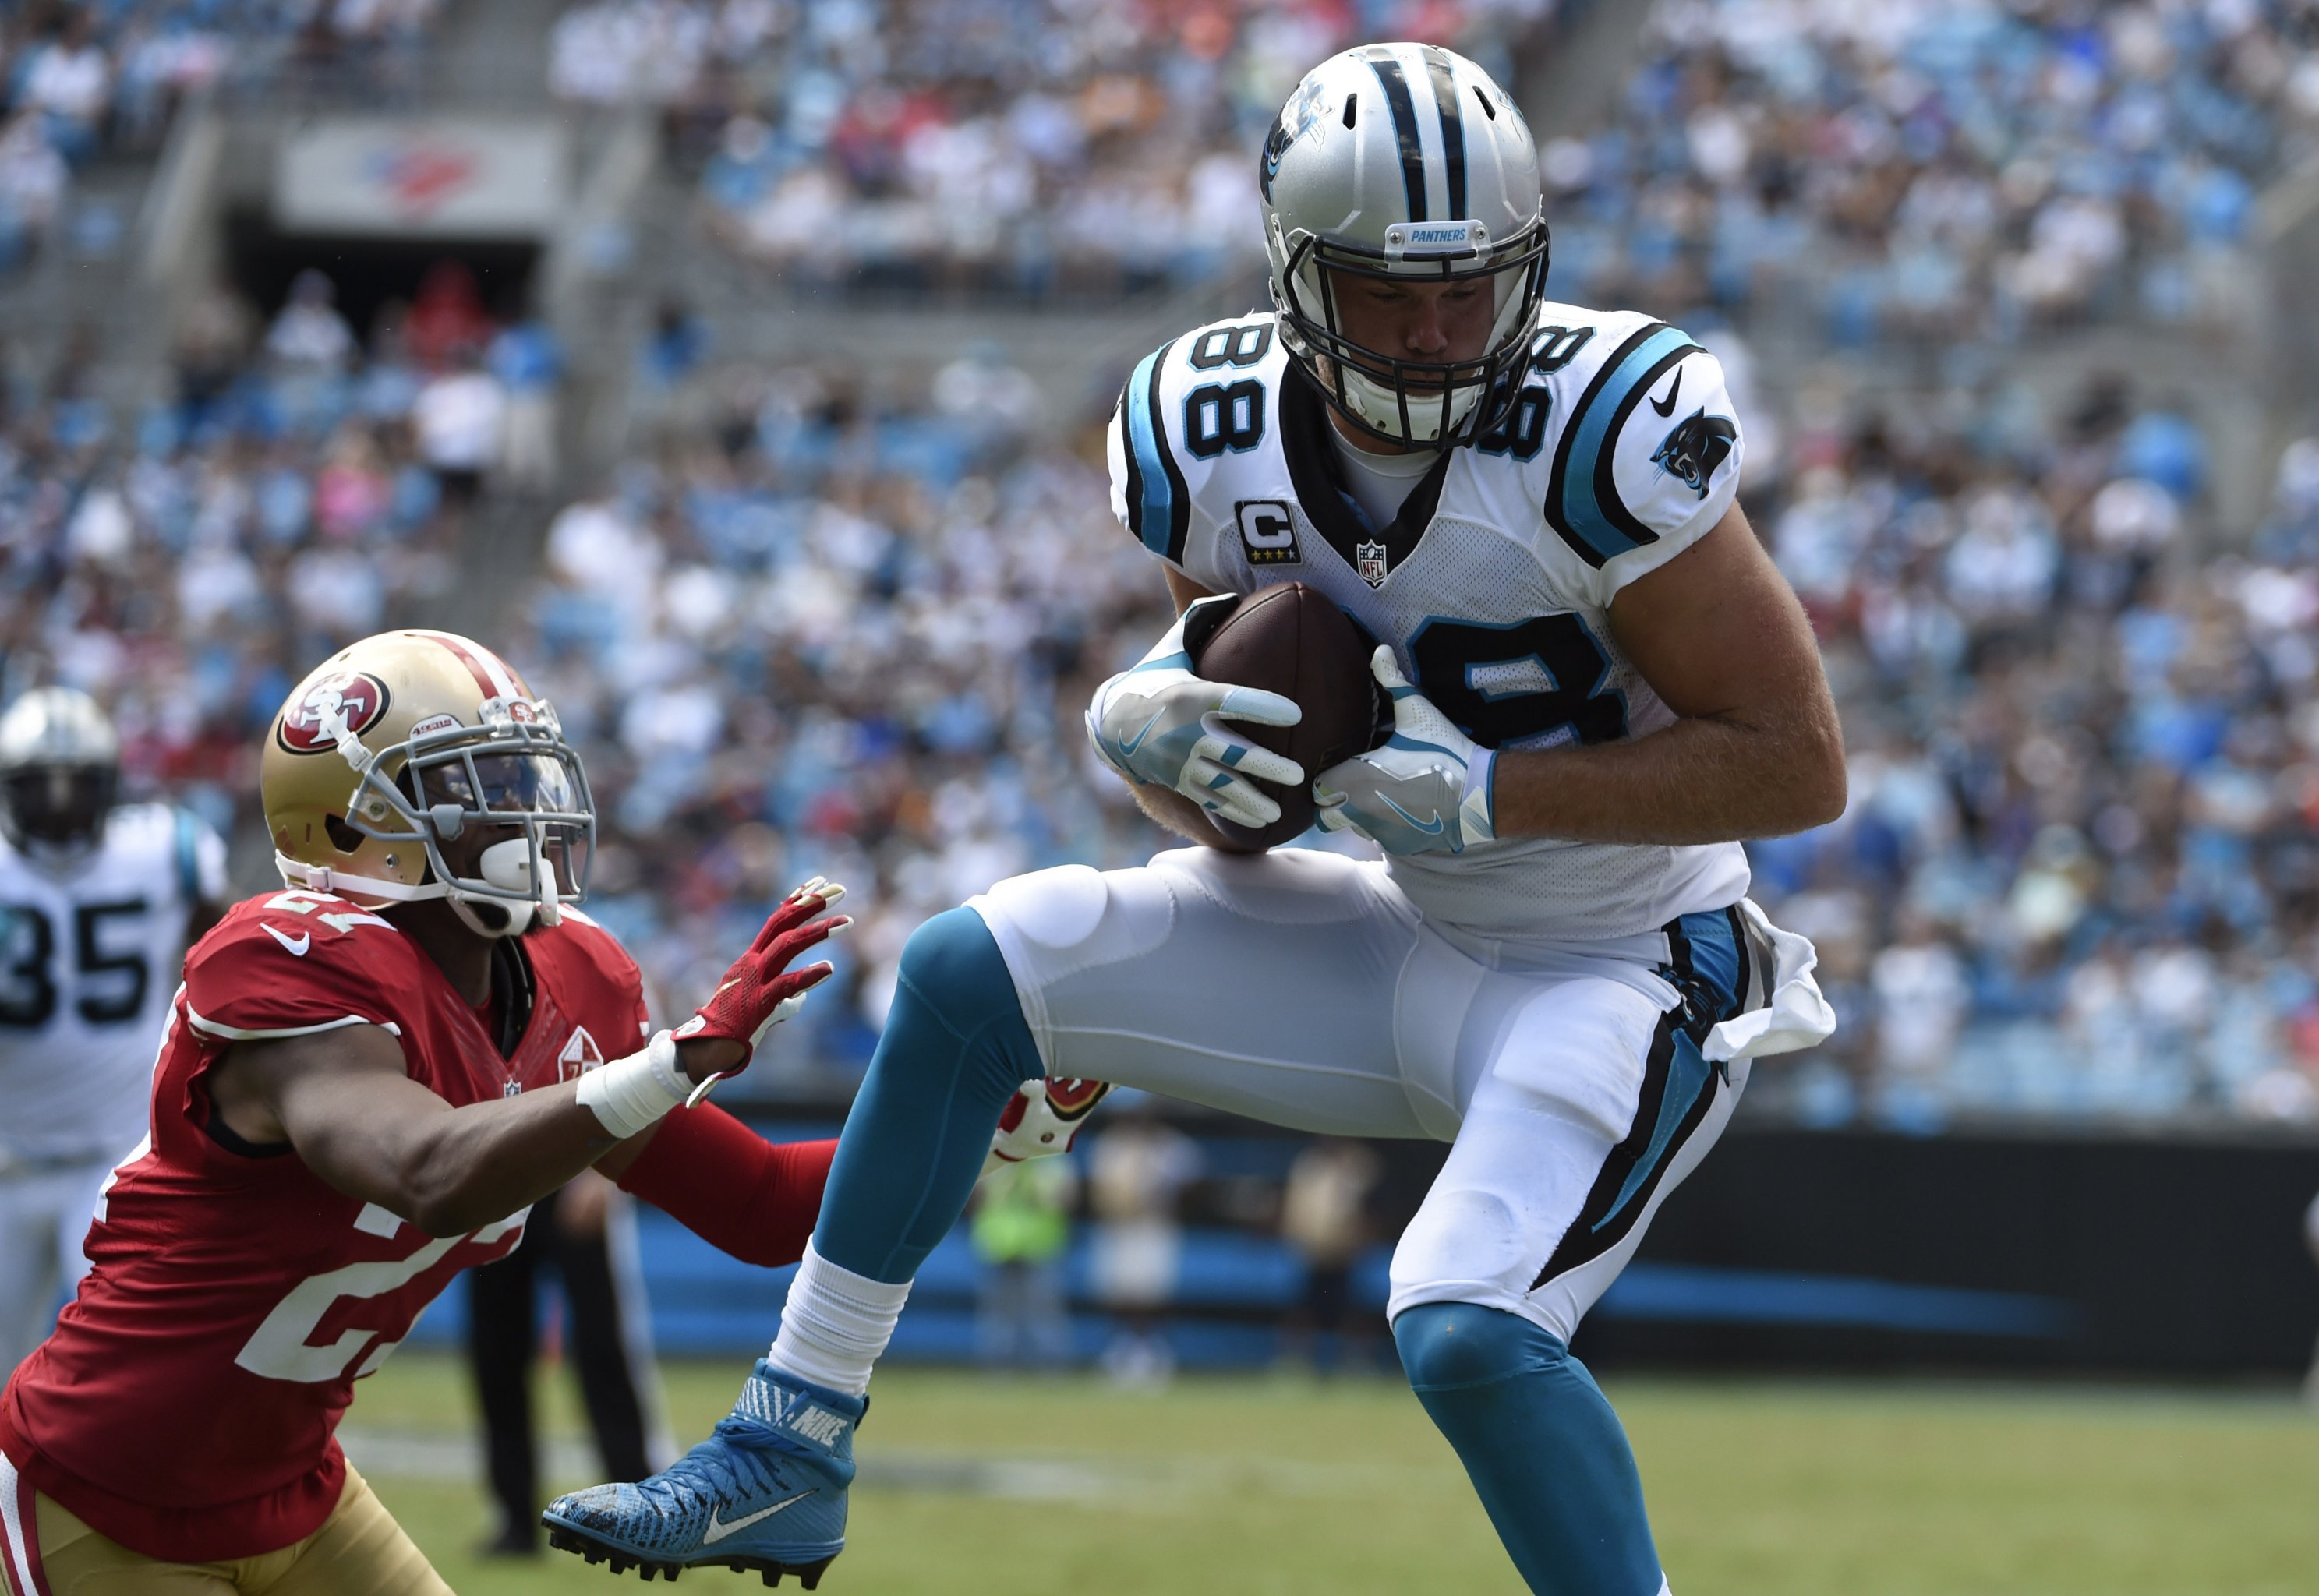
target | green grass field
[{"x": 1070, "y": 1487}]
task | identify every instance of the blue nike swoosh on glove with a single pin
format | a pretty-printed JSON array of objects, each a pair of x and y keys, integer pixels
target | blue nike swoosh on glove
[
  {"x": 1127, "y": 749},
  {"x": 1430, "y": 829}
]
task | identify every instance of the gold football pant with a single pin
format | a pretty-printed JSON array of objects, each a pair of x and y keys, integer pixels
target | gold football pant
[{"x": 359, "y": 1551}]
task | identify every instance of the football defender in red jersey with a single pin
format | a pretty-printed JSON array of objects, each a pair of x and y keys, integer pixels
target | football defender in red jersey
[{"x": 367, "y": 1078}]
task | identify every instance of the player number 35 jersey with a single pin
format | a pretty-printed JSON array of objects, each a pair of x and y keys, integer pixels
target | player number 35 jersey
[
  {"x": 1493, "y": 584},
  {"x": 89, "y": 958}
]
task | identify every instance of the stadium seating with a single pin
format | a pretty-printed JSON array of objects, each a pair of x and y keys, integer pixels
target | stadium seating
[
  {"x": 79, "y": 80},
  {"x": 1937, "y": 172},
  {"x": 2075, "y": 878},
  {"x": 940, "y": 144}
]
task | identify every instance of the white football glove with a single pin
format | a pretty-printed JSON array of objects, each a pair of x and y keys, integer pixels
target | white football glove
[
  {"x": 1427, "y": 790},
  {"x": 1041, "y": 1119},
  {"x": 1158, "y": 724}
]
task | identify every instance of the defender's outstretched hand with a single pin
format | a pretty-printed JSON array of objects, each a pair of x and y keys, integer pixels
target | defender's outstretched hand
[
  {"x": 760, "y": 990},
  {"x": 1160, "y": 724},
  {"x": 1427, "y": 790},
  {"x": 1041, "y": 1119}
]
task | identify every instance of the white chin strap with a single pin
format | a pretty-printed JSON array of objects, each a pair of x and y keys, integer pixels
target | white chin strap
[
  {"x": 1380, "y": 407},
  {"x": 321, "y": 877},
  {"x": 506, "y": 866}
]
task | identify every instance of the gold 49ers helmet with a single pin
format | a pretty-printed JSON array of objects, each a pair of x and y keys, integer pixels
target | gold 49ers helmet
[{"x": 406, "y": 740}]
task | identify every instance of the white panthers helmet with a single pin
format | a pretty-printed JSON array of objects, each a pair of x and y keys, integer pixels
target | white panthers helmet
[{"x": 1405, "y": 160}]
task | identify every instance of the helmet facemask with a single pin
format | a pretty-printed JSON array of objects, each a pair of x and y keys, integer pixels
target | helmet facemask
[
  {"x": 57, "y": 810},
  {"x": 60, "y": 775},
  {"x": 513, "y": 774},
  {"x": 1413, "y": 403}
]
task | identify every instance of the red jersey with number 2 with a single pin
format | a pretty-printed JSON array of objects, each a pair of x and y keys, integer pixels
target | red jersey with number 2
[{"x": 187, "y": 1403}]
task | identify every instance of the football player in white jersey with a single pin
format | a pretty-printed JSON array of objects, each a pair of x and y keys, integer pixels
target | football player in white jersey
[
  {"x": 98, "y": 902},
  {"x": 1598, "y": 684}
]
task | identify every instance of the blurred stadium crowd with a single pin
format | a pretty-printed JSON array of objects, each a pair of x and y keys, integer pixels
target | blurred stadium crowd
[
  {"x": 1938, "y": 171},
  {"x": 1901, "y": 166},
  {"x": 816, "y": 619},
  {"x": 1068, "y": 146},
  {"x": 77, "y": 79}
]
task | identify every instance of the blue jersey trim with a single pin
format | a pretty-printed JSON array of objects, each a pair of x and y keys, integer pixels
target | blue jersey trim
[
  {"x": 189, "y": 862},
  {"x": 1162, "y": 514},
  {"x": 1581, "y": 496}
]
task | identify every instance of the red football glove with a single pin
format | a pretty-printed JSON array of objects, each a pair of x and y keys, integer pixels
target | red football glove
[
  {"x": 1042, "y": 1118},
  {"x": 760, "y": 990}
]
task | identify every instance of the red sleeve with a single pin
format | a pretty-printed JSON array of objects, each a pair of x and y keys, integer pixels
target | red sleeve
[
  {"x": 607, "y": 972},
  {"x": 731, "y": 1187},
  {"x": 643, "y": 1009},
  {"x": 315, "y": 964}
]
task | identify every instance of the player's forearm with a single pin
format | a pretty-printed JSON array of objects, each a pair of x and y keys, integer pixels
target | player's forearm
[
  {"x": 469, "y": 1166},
  {"x": 462, "y": 1169},
  {"x": 1706, "y": 780}
]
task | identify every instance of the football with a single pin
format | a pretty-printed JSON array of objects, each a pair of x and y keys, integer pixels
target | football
[{"x": 1293, "y": 640}]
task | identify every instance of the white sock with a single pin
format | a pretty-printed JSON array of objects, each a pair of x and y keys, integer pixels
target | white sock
[{"x": 834, "y": 1324}]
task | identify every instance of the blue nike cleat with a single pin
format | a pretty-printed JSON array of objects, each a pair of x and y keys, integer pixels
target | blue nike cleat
[{"x": 766, "y": 1491}]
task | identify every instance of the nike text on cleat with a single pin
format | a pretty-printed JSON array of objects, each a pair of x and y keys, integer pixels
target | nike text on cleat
[{"x": 765, "y": 1492}]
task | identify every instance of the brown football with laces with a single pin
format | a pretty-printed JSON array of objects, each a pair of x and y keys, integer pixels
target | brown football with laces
[{"x": 1295, "y": 641}]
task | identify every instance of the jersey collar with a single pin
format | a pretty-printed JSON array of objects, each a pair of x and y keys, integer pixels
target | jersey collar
[{"x": 1320, "y": 481}]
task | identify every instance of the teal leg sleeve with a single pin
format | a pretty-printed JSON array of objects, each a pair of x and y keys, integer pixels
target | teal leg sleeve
[
  {"x": 1546, "y": 1453},
  {"x": 954, "y": 1048}
]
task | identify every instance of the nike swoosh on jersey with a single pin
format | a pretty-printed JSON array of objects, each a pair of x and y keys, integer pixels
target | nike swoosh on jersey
[
  {"x": 717, "y": 1531},
  {"x": 1667, "y": 408},
  {"x": 1430, "y": 828},
  {"x": 297, "y": 945}
]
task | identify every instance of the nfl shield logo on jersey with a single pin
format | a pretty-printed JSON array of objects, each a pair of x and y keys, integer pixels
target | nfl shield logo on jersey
[{"x": 1369, "y": 563}]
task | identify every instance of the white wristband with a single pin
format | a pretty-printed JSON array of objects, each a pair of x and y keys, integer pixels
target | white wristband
[{"x": 632, "y": 1095}]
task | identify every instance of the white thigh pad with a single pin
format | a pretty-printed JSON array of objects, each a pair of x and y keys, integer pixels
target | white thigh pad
[{"x": 1262, "y": 984}]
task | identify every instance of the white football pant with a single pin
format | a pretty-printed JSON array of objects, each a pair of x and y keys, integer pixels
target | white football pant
[
  {"x": 1302, "y": 988},
  {"x": 44, "y": 1219}
]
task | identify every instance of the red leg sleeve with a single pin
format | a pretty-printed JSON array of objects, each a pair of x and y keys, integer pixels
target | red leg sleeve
[{"x": 731, "y": 1187}]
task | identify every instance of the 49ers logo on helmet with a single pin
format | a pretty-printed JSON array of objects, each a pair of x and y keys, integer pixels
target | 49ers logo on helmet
[{"x": 311, "y": 725}]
